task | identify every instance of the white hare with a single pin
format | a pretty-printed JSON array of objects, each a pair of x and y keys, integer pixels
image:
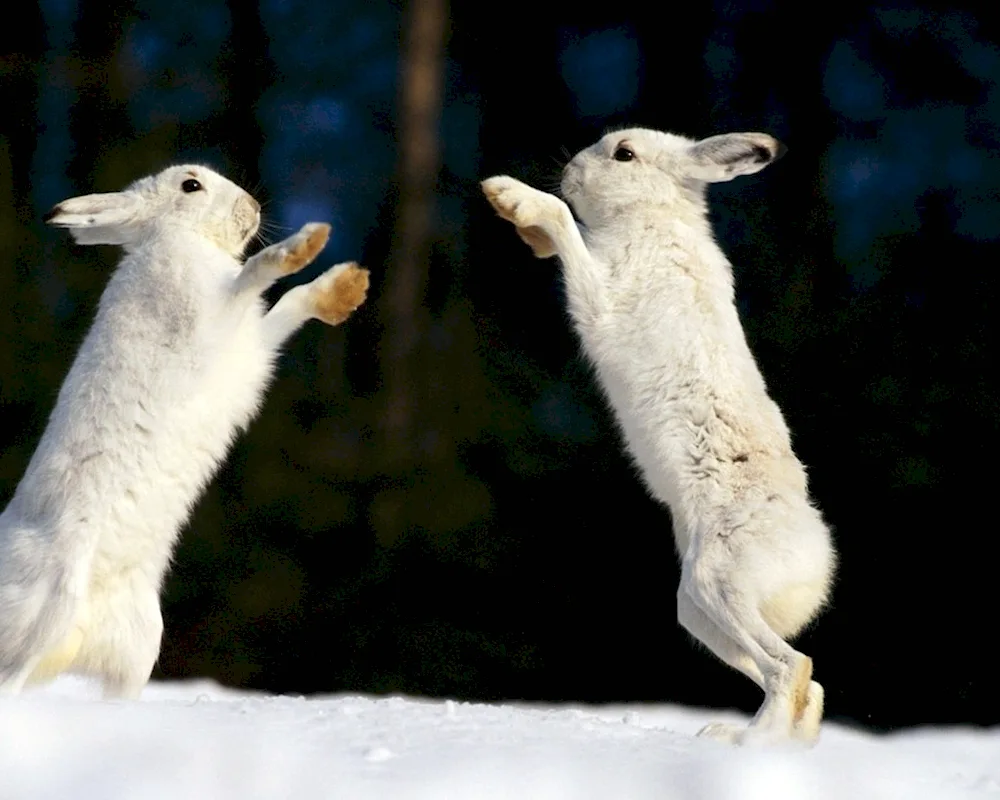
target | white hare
[
  {"x": 175, "y": 364},
  {"x": 651, "y": 296}
]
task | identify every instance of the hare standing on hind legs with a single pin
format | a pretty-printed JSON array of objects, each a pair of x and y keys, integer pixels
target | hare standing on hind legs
[
  {"x": 651, "y": 296},
  {"x": 174, "y": 365}
]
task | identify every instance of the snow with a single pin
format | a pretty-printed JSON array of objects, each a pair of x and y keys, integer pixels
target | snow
[{"x": 199, "y": 740}]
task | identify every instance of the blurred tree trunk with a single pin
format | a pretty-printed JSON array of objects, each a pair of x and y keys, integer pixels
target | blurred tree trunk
[
  {"x": 420, "y": 98},
  {"x": 246, "y": 71}
]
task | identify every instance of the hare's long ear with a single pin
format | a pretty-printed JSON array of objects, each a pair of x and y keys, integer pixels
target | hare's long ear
[
  {"x": 723, "y": 157},
  {"x": 98, "y": 218}
]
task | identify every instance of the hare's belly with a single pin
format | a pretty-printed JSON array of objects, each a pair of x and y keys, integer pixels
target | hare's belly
[
  {"x": 139, "y": 526},
  {"x": 643, "y": 439},
  {"x": 177, "y": 461}
]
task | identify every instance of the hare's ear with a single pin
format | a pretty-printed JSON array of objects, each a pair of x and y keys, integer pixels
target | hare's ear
[
  {"x": 98, "y": 218},
  {"x": 723, "y": 157}
]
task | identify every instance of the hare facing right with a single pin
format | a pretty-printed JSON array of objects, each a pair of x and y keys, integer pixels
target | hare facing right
[
  {"x": 175, "y": 364},
  {"x": 651, "y": 296}
]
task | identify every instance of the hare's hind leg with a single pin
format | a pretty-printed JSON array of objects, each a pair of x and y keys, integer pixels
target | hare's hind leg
[
  {"x": 122, "y": 640},
  {"x": 284, "y": 258},
  {"x": 331, "y": 298},
  {"x": 786, "y": 674},
  {"x": 701, "y": 628},
  {"x": 807, "y": 716}
]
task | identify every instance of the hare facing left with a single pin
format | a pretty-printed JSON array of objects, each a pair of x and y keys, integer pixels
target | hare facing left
[{"x": 175, "y": 364}]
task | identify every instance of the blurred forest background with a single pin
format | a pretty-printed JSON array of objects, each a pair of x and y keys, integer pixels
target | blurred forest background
[{"x": 434, "y": 499}]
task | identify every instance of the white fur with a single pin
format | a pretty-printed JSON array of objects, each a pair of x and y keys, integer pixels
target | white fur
[
  {"x": 174, "y": 365},
  {"x": 651, "y": 296}
]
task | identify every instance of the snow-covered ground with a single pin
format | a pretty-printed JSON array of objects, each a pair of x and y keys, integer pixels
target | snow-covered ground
[{"x": 197, "y": 740}]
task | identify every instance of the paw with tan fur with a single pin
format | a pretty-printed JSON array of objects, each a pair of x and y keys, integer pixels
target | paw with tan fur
[
  {"x": 338, "y": 292},
  {"x": 530, "y": 210},
  {"x": 300, "y": 250}
]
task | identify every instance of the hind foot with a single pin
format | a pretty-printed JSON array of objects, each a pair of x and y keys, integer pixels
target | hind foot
[
  {"x": 771, "y": 725},
  {"x": 749, "y": 736},
  {"x": 752, "y": 735},
  {"x": 722, "y": 732},
  {"x": 338, "y": 292}
]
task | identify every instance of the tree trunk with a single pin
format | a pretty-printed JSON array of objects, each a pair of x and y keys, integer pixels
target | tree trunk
[{"x": 421, "y": 80}]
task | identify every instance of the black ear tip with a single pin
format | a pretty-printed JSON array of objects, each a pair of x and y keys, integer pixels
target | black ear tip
[{"x": 52, "y": 213}]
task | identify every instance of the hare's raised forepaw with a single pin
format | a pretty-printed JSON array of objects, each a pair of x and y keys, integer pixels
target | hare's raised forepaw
[
  {"x": 513, "y": 200},
  {"x": 529, "y": 209},
  {"x": 300, "y": 250},
  {"x": 338, "y": 292}
]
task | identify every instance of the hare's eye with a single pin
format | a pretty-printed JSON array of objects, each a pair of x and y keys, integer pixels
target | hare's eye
[
  {"x": 622, "y": 153},
  {"x": 190, "y": 185}
]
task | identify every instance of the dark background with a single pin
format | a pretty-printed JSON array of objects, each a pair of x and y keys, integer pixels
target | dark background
[{"x": 434, "y": 499}]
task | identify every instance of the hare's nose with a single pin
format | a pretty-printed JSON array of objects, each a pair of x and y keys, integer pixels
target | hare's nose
[{"x": 255, "y": 205}]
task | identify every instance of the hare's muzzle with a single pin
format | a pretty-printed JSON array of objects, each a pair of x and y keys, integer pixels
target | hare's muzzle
[{"x": 246, "y": 216}]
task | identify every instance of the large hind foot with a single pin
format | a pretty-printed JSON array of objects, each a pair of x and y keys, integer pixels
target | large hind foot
[
  {"x": 746, "y": 736},
  {"x": 751, "y": 735},
  {"x": 338, "y": 292},
  {"x": 723, "y": 732},
  {"x": 779, "y": 721}
]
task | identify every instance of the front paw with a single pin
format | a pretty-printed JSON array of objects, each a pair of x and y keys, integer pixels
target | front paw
[
  {"x": 519, "y": 203},
  {"x": 338, "y": 292},
  {"x": 530, "y": 210},
  {"x": 300, "y": 250},
  {"x": 505, "y": 195}
]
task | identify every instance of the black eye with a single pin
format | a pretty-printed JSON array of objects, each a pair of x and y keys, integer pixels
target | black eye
[
  {"x": 624, "y": 154},
  {"x": 190, "y": 185}
]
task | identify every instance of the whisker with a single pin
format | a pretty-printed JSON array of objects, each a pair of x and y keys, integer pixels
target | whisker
[
  {"x": 550, "y": 184},
  {"x": 552, "y": 181},
  {"x": 274, "y": 227}
]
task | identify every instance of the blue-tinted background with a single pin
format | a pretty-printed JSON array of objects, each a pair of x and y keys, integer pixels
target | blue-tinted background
[{"x": 504, "y": 547}]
